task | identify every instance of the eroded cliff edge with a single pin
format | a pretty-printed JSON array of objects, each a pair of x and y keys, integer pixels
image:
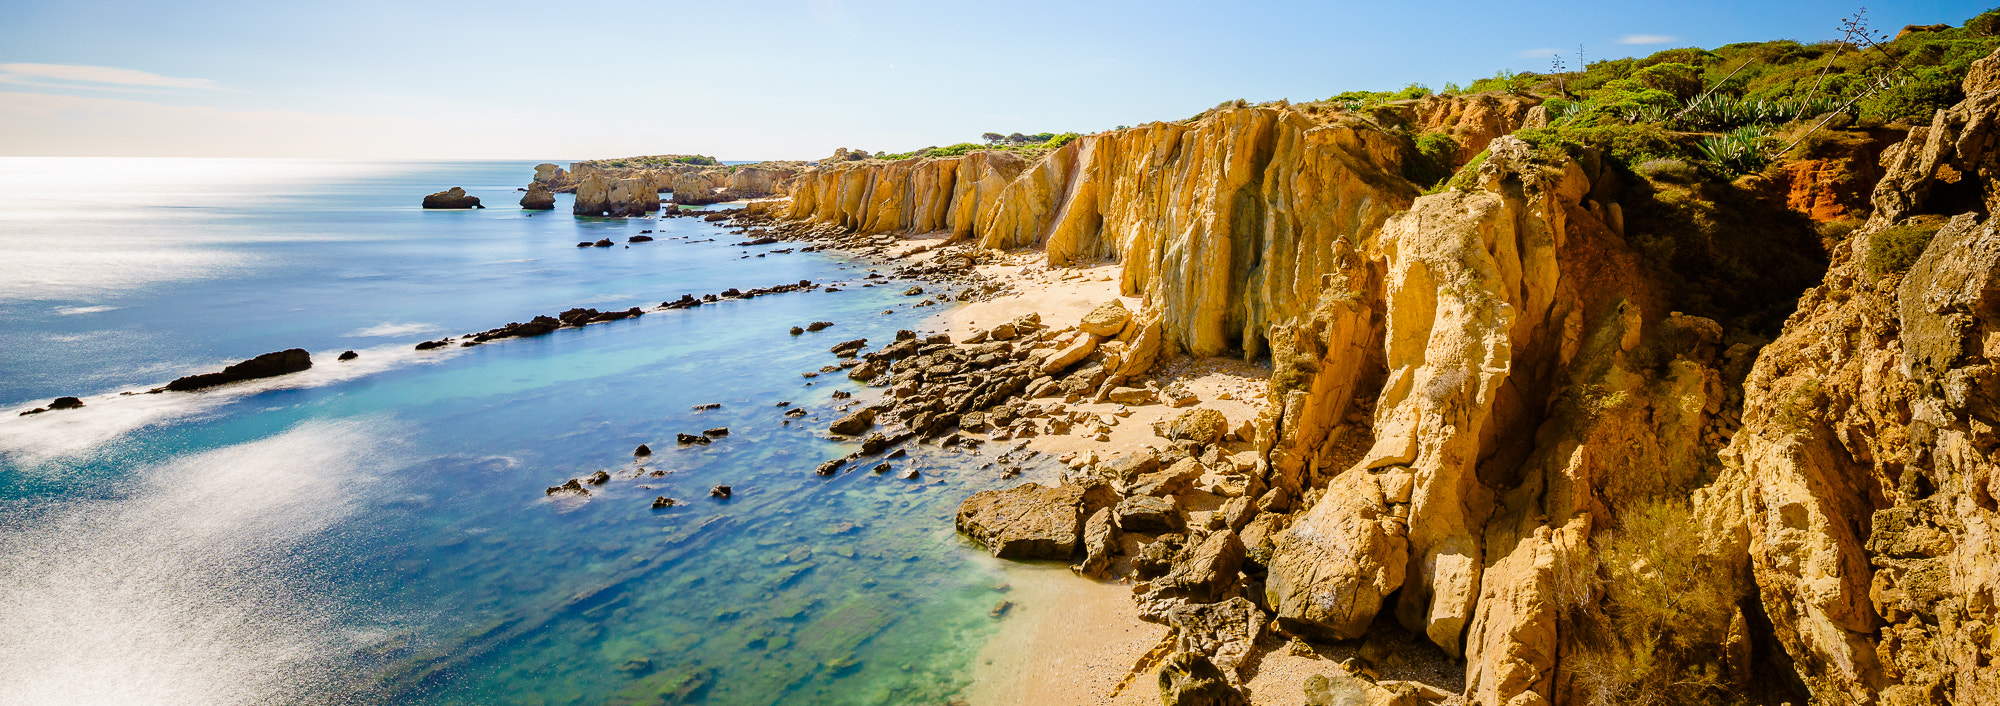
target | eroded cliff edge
[{"x": 1502, "y": 420}]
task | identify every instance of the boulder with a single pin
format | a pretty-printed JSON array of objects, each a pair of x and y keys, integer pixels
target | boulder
[
  {"x": 263, "y": 366},
  {"x": 1344, "y": 689},
  {"x": 1148, "y": 514},
  {"x": 349, "y": 355},
  {"x": 1100, "y": 543},
  {"x": 853, "y": 424},
  {"x": 455, "y": 197},
  {"x": 1105, "y": 320},
  {"x": 1172, "y": 480},
  {"x": 1028, "y": 521},
  {"x": 1200, "y": 425},
  {"x": 65, "y": 403},
  {"x": 1226, "y": 632},
  {"x": 720, "y": 492},
  {"x": 1131, "y": 396},
  {"x": 643, "y": 451},
  {"x": 1208, "y": 572},
  {"x": 1189, "y": 679},
  {"x": 1330, "y": 571}
]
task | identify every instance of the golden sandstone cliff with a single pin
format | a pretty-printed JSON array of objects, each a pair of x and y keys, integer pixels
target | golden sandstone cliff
[{"x": 1492, "y": 424}]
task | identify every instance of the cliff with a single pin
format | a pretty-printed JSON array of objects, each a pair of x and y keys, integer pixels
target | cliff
[{"x": 1568, "y": 422}]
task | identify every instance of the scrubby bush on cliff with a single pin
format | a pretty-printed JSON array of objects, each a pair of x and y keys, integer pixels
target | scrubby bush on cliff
[
  {"x": 1893, "y": 250},
  {"x": 1914, "y": 100},
  {"x": 1682, "y": 81},
  {"x": 1664, "y": 607},
  {"x": 1432, "y": 161}
]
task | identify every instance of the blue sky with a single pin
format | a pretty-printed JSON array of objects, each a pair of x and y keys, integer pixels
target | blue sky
[{"x": 765, "y": 80}]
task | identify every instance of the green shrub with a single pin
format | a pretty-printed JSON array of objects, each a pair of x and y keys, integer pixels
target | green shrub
[
  {"x": 1666, "y": 608},
  {"x": 1913, "y": 101},
  {"x": 1683, "y": 81},
  {"x": 1467, "y": 176},
  {"x": 1893, "y": 250},
  {"x": 1628, "y": 144},
  {"x": 1059, "y": 140},
  {"x": 1414, "y": 90},
  {"x": 1987, "y": 24},
  {"x": 1833, "y": 233},
  {"x": 1435, "y": 157},
  {"x": 1670, "y": 170}
]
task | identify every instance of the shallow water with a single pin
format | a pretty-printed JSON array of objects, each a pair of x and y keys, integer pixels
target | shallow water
[{"x": 376, "y": 531}]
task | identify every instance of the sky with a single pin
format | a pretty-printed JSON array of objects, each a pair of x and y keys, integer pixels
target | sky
[{"x": 783, "y": 79}]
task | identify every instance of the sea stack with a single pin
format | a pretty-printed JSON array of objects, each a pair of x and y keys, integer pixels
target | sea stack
[
  {"x": 538, "y": 198},
  {"x": 455, "y": 197}
]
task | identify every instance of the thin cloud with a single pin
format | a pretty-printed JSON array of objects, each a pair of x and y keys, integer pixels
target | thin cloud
[
  {"x": 1542, "y": 53},
  {"x": 97, "y": 77},
  {"x": 1646, "y": 39}
]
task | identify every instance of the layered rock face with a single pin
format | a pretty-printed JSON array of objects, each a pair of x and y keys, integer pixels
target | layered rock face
[
  {"x": 600, "y": 195},
  {"x": 1487, "y": 420},
  {"x": 1865, "y": 478},
  {"x": 1227, "y": 224},
  {"x": 1475, "y": 120}
]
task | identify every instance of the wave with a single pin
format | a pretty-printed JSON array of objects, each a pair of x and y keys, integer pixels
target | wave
[
  {"x": 193, "y": 588},
  {"x": 30, "y": 441}
]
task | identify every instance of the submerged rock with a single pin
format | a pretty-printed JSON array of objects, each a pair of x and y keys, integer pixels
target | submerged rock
[{"x": 720, "y": 491}]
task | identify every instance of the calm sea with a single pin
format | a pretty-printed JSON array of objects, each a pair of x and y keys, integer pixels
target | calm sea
[{"x": 375, "y": 531}]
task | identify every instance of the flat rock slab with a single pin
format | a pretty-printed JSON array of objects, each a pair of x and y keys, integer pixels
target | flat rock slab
[{"x": 1026, "y": 522}]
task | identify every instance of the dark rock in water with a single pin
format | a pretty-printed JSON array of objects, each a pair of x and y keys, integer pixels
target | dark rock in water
[
  {"x": 663, "y": 501},
  {"x": 1189, "y": 679},
  {"x": 720, "y": 491},
  {"x": 605, "y": 243},
  {"x": 640, "y": 239},
  {"x": 691, "y": 439},
  {"x": 711, "y": 405},
  {"x": 1000, "y": 609},
  {"x": 455, "y": 197},
  {"x": 913, "y": 291},
  {"x": 263, "y": 366},
  {"x": 906, "y": 335},
  {"x": 842, "y": 394},
  {"x": 598, "y": 478},
  {"x": 796, "y": 330},
  {"x": 65, "y": 403},
  {"x": 583, "y": 244},
  {"x": 898, "y": 453},
  {"x": 687, "y": 301},
  {"x": 795, "y": 412},
  {"x": 349, "y": 355},
  {"x": 759, "y": 241},
  {"x": 643, "y": 450},
  {"x": 574, "y": 487},
  {"x": 909, "y": 474},
  {"x": 818, "y": 325},
  {"x": 830, "y": 467},
  {"x": 882, "y": 467},
  {"x": 427, "y": 345},
  {"x": 848, "y": 349},
  {"x": 718, "y": 431}
]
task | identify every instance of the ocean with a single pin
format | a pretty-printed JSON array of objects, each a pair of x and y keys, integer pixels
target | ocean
[{"x": 376, "y": 530}]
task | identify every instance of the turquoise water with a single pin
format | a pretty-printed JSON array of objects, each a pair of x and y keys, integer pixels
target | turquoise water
[{"x": 376, "y": 531}]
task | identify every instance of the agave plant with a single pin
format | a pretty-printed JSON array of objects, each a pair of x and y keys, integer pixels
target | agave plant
[{"x": 1736, "y": 152}]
